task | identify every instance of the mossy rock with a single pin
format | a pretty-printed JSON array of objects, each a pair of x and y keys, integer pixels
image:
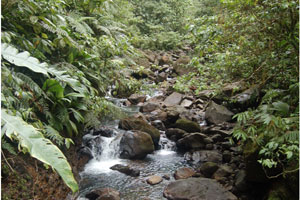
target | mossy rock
[
  {"x": 280, "y": 191},
  {"x": 140, "y": 125},
  {"x": 187, "y": 125},
  {"x": 254, "y": 170}
]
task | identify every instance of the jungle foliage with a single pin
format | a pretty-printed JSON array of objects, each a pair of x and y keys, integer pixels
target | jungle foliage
[{"x": 60, "y": 58}]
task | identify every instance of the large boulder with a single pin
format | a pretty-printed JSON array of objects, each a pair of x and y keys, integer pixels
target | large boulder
[
  {"x": 136, "y": 145},
  {"x": 247, "y": 98},
  {"x": 174, "y": 99},
  {"x": 193, "y": 141},
  {"x": 103, "y": 194},
  {"x": 197, "y": 189},
  {"x": 187, "y": 125},
  {"x": 141, "y": 125},
  {"x": 217, "y": 114},
  {"x": 175, "y": 133}
]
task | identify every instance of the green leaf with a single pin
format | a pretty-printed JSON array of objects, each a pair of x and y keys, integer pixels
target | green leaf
[
  {"x": 38, "y": 146},
  {"x": 23, "y": 59},
  {"x": 281, "y": 107},
  {"x": 52, "y": 85}
]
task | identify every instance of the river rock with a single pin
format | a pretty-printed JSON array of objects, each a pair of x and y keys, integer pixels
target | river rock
[
  {"x": 105, "y": 132},
  {"x": 103, "y": 194},
  {"x": 192, "y": 141},
  {"x": 149, "y": 107},
  {"x": 240, "y": 181},
  {"x": 126, "y": 170},
  {"x": 175, "y": 133},
  {"x": 197, "y": 189},
  {"x": 217, "y": 114},
  {"x": 153, "y": 180},
  {"x": 186, "y": 103},
  {"x": 208, "y": 169},
  {"x": 180, "y": 65},
  {"x": 174, "y": 99},
  {"x": 187, "y": 125},
  {"x": 162, "y": 76},
  {"x": 184, "y": 173},
  {"x": 226, "y": 156},
  {"x": 247, "y": 98},
  {"x": 223, "y": 171},
  {"x": 141, "y": 125},
  {"x": 136, "y": 145},
  {"x": 137, "y": 98},
  {"x": 204, "y": 156},
  {"x": 159, "y": 125}
]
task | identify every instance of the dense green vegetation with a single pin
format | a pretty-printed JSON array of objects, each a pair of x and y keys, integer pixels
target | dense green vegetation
[{"x": 59, "y": 59}]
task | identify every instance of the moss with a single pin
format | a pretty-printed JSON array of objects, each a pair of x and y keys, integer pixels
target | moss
[
  {"x": 187, "y": 125},
  {"x": 279, "y": 191}
]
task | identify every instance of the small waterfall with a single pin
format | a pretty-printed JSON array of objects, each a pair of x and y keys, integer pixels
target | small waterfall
[
  {"x": 167, "y": 146},
  {"x": 106, "y": 158}
]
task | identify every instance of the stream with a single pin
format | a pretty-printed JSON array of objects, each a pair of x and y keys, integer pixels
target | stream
[{"x": 97, "y": 172}]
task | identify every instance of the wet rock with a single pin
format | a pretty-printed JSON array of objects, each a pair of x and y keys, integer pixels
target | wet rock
[
  {"x": 240, "y": 181},
  {"x": 174, "y": 99},
  {"x": 141, "y": 125},
  {"x": 137, "y": 98},
  {"x": 226, "y": 145},
  {"x": 103, "y": 194},
  {"x": 204, "y": 156},
  {"x": 279, "y": 191},
  {"x": 92, "y": 143},
  {"x": 226, "y": 156},
  {"x": 197, "y": 189},
  {"x": 84, "y": 156},
  {"x": 208, "y": 169},
  {"x": 153, "y": 180},
  {"x": 187, "y": 125},
  {"x": 223, "y": 171},
  {"x": 136, "y": 145},
  {"x": 149, "y": 107},
  {"x": 217, "y": 114},
  {"x": 175, "y": 133},
  {"x": 184, "y": 173},
  {"x": 186, "y": 103},
  {"x": 246, "y": 99},
  {"x": 209, "y": 146},
  {"x": 217, "y": 138},
  {"x": 105, "y": 132},
  {"x": 167, "y": 177},
  {"x": 218, "y": 130},
  {"x": 159, "y": 125},
  {"x": 192, "y": 141},
  {"x": 126, "y": 170}
]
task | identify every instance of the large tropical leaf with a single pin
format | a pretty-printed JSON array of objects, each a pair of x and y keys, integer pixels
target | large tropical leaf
[
  {"x": 22, "y": 59},
  {"x": 38, "y": 146}
]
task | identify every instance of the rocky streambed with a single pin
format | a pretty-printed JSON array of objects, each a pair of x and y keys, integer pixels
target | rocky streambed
[{"x": 171, "y": 146}]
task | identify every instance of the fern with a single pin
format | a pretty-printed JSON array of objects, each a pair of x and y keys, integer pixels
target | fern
[
  {"x": 5, "y": 145},
  {"x": 32, "y": 141},
  {"x": 54, "y": 135}
]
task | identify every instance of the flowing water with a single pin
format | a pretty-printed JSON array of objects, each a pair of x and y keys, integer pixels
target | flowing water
[{"x": 97, "y": 173}]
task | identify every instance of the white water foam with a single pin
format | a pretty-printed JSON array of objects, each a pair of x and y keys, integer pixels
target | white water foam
[{"x": 108, "y": 158}]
